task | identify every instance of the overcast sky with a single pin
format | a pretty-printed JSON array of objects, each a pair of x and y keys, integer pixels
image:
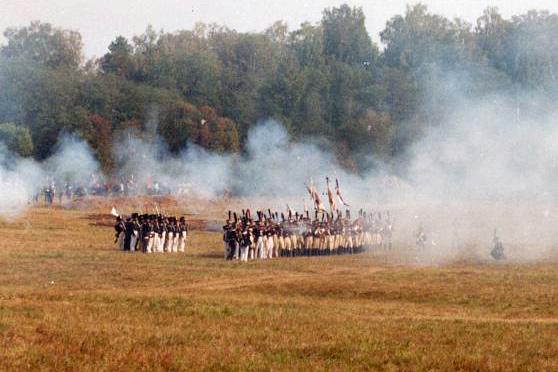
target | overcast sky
[{"x": 99, "y": 22}]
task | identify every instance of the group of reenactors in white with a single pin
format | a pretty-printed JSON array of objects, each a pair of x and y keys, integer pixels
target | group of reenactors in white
[
  {"x": 298, "y": 235},
  {"x": 150, "y": 233}
]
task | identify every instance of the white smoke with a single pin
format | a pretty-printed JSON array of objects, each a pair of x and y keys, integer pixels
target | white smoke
[
  {"x": 17, "y": 177},
  {"x": 483, "y": 168},
  {"x": 72, "y": 161},
  {"x": 21, "y": 180}
]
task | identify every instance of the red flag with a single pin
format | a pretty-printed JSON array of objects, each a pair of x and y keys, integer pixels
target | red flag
[
  {"x": 338, "y": 192},
  {"x": 330, "y": 196}
]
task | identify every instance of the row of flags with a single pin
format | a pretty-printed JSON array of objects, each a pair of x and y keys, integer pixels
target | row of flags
[{"x": 318, "y": 205}]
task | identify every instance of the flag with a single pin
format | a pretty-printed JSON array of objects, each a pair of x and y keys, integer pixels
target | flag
[
  {"x": 330, "y": 196},
  {"x": 114, "y": 212},
  {"x": 316, "y": 197},
  {"x": 338, "y": 192}
]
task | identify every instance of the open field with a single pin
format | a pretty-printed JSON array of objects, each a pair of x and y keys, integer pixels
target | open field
[{"x": 70, "y": 302}]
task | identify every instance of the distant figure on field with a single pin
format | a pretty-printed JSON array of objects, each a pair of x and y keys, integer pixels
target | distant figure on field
[
  {"x": 498, "y": 251},
  {"x": 420, "y": 237}
]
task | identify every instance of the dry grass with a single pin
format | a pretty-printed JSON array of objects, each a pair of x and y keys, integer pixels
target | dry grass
[{"x": 69, "y": 302}]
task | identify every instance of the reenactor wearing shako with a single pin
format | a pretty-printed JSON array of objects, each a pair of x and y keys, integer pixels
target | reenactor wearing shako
[
  {"x": 182, "y": 234},
  {"x": 148, "y": 233},
  {"x": 120, "y": 235},
  {"x": 226, "y": 229},
  {"x": 232, "y": 241},
  {"x": 245, "y": 240},
  {"x": 156, "y": 229},
  {"x": 169, "y": 234},
  {"x": 162, "y": 233},
  {"x": 129, "y": 230},
  {"x": 135, "y": 232},
  {"x": 171, "y": 231}
]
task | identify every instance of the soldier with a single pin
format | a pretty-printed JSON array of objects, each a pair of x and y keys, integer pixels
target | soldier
[
  {"x": 129, "y": 231},
  {"x": 420, "y": 237},
  {"x": 148, "y": 233},
  {"x": 183, "y": 234},
  {"x": 120, "y": 235},
  {"x": 136, "y": 228},
  {"x": 232, "y": 241},
  {"x": 226, "y": 229},
  {"x": 246, "y": 241},
  {"x": 498, "y": 250},
  {"x": 269, "y": 240},
  {"x": 162, "y": 234},
  {"x": 316, "y": 239},
  {"x": 308, "y": 236},
  {"x": 169, "y": 237},
  {"x": 259, "y": 237},
  {"x": 238, "y": 240}
]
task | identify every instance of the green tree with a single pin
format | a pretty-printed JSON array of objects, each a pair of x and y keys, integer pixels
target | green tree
[
  {"x": 44, "y": 44},
  {"x": 119, "y": 59},
  {"x": 17, "y": 139},
  {"x": 345, "y": 36}
]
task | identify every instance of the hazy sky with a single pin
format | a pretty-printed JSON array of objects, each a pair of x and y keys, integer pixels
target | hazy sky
[{"x": 99, "y": 22}]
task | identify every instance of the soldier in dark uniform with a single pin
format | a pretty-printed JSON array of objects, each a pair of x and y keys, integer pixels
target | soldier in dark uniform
[
  {"x": 129, "y": 231},
  {"x": 498, "y": 250},
  {"x": 226, "y": 228},
  {"x": 232, "y": 238},
  {"x": 182, "y": 234},
  {"x": 145, "y": 234},
  {"x": 120, "y": 235},
  {"x": 136, "y": 228},
  {"x": 245, "y": 240}
]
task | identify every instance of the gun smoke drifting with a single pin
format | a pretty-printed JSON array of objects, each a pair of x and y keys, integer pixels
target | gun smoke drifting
[{"x": 484, "y": 168}]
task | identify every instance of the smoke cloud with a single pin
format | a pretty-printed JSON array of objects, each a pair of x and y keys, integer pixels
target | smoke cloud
[{"x": 487, "y": 167}]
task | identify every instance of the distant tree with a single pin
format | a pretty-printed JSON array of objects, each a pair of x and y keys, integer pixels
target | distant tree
[
  {"x": 345, "y": 35},
  {"x": 119, "y": 59},
  {"x": 17, "y": 139},
  {"x": 179, "y": 123},
  {"x": 44, "y": 44},
  {"x": 99, "y": 135},
  {"x": 491, "y": 32}
]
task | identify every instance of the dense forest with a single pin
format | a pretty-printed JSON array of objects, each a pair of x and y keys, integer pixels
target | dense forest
[{"x": 327, "y": 80}]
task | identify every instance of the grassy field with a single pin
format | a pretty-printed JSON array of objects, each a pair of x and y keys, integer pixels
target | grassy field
[{"x": 70, "y": 302}]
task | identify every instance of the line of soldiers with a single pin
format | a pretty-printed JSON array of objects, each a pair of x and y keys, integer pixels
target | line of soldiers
[
  {"x": 299, "y": 235},
  {"x": 151, "y": 233}
]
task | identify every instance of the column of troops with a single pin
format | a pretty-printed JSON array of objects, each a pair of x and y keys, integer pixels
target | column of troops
[
  {"x": 299, "y": 235},
  {"x": 151, "y": 233}
]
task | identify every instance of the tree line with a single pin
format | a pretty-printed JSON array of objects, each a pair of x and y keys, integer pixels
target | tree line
[{"x": 210, "y": 84}]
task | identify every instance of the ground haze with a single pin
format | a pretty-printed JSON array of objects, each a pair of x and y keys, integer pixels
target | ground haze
[{"x": 70, "y": 302}]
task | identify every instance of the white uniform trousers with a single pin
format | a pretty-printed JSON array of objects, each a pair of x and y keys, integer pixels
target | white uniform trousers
[
  {"x": 169, "y": 241},
  {"x": 120, "y": 240},
  {"x": 182, "y": 242},
  {"x": 244, "y": 252},
  {"x": 133, "y": 240},
  {"x": 260, "y": 247},
  {"x": 269, "y": 247}
]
